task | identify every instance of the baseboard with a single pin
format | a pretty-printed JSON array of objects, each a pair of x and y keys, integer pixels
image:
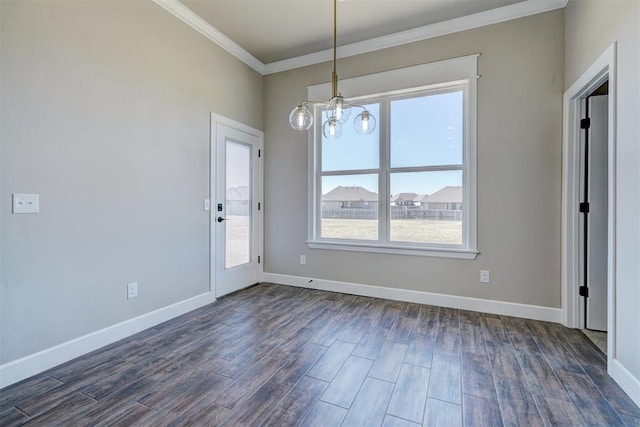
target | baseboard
[
  {"x": 27, "y": 366},
  {"x": 628, "y": 383},
  {"x": 465, "y": 303}
]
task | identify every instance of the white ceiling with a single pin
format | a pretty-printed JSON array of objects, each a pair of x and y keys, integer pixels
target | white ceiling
[{"x": 275, "y": 35}]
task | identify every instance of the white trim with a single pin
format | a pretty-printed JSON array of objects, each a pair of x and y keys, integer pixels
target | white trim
[
  {"x": 394, "y": 250},
  {"x": 25, "y": 367},
  {"x": 431, "y": 74},
  {"x": 459, "y": 73},
  {"x": 193, "y": 20},
  {"x": 489, "y": 17},
  {"x": 526, "y": 311},
  {"x": 626, "y": 380},
  {"x": 602, "y": 69}
]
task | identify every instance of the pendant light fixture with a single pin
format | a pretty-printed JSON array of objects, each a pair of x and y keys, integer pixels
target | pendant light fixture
[{"x": 337, "y": 110}]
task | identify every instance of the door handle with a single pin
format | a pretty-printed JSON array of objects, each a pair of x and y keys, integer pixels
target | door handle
[{"x": 220, "y": 219}]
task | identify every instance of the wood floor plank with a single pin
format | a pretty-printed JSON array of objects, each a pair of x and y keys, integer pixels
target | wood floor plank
[
  {"x": 445, "y": 382},
  {"x": 391, "y": 421},
  {"x": 371, "y": 404},
  {"x": 449, "y": 317},
  {"x": 618, "y": 399},
  {"x": 448, "y": 340},
  {"x": 517, "y": 404},
  {"x": 77, "y": 403},
  {"x": 297, "y": 404},
  {"x": 477, "y": 376},
  {"x": 402, "y": 331},
  {"x": 504, "y": 361},
  {"x": 344, "y": 388},
  {"x": 494, "y": 329},
  {"x": 520, "y": 335},
  {"x": 324, "y": 415},
  {"x": 472, "y": 338},
  {"x": 481, "y": 412},
  {"x": 26, "y": 390},
  {"x": 440, "y": 413},
  {"x": 257, "y": 407},
  {"x": 540, "y": 376},
  {"x": 389, "y": 361},
  {"x": 331, "y": 361},
  {"x": 410, "y": 394},
  {"x": 589, "y": 401},
  {"x": 556, "y": 412},
  {"x": 420, "y": 351},
  {"x": 427, "y": 321},
  {"x": 251, "y": 357},
  {"x": 12, "y": 417}
]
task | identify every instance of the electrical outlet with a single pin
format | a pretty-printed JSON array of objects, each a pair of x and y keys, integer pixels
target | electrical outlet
[
  {"x": 132, "y": 290},
  {"x": 303, "y": 259},
  {"x": 485, "y": 276}
]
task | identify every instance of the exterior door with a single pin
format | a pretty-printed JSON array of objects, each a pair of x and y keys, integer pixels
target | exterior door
[{"x": 236, "y": 212}]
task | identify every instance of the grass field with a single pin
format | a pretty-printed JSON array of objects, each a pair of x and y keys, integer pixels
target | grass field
[{"x": 402, "y": 230}]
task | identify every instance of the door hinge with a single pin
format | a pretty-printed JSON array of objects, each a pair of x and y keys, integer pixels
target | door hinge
[
  {"x": 583, "y": 291},
  {"x": 585, "y": 123},
  {"x": 259, "y": 153},
  {"x": 259, "y": 205},
  {"x": 258, "y": 259},
  {"x": 584, "y": 207}
]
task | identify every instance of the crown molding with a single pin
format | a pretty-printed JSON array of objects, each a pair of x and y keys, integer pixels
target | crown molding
[
  {"x": 489, "y": 17},
  {"x": 481, "y": 19},
  {"x": 190, "y": 18}
]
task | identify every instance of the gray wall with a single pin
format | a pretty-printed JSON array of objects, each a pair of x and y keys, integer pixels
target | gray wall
[
  {"x": 591, "y": 26},
  {"x": 105, "y": 113},
  {"x": 519, "y": 168}
]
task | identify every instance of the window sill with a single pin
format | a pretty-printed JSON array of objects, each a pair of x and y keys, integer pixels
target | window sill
[{"x": 395, "y": 250}]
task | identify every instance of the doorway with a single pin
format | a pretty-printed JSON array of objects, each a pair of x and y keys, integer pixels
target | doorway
[
  {"x": 236, "y": 208},
  {"x": 593, "y": 214},
  {"x": 588, "y": 241}
]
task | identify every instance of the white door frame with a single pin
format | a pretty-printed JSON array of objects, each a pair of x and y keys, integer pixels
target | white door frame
[
  {"x": 215, "y": 120},
  {"x": 603, "y": 69}
]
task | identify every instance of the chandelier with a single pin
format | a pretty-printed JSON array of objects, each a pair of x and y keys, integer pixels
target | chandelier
[{"x": 336, "y": 111}]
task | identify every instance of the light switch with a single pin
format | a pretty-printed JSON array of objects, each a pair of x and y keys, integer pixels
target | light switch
[{"x": 26, "y": 203}]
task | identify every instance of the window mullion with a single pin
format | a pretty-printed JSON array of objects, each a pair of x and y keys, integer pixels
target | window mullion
[{"x": 384, "y": 182}]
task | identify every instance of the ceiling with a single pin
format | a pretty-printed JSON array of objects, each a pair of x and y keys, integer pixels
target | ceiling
[
  {"x": 273, "y": 30},
  {"x": 274, "y": 35}
]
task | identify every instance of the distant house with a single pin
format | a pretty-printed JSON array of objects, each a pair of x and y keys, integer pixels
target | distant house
[
  {"x": 448, "y": 198},
  {"x": 350, "y": 197},
  {"x": 403, "y": 199}
]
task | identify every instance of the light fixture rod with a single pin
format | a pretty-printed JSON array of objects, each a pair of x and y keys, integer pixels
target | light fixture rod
[{"x": 334, "y": 74}]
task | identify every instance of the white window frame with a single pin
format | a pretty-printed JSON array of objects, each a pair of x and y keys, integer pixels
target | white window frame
[{"x": 458, "y": 73}]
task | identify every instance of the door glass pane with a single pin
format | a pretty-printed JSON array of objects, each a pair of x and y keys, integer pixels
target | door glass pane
[
  {"x": 352, "y": 151},
  {"x": 426, "y": 207},
  {"x": 427, "y": 131},
  {"x": 350, "y": 207},
  {"x": 238, "y": 204}
]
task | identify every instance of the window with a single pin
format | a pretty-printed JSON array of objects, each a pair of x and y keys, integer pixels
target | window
[{"x": 410, "y": 186}]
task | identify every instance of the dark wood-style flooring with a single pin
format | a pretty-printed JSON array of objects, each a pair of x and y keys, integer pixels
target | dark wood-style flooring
[{"x": 279, "y": 356}]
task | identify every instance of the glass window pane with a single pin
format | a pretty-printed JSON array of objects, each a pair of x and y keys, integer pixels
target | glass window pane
[
  {"x": 352, "y": 151},
  {"x": 238, "y": 203},
  {"x": 427, "y": 131},
  {"x": 350, "y": 207},
  {"x": 426, "y": 207}
]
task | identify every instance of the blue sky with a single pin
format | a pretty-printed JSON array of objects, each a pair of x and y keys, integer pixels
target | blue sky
[{"x": 425, "y": 131}]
